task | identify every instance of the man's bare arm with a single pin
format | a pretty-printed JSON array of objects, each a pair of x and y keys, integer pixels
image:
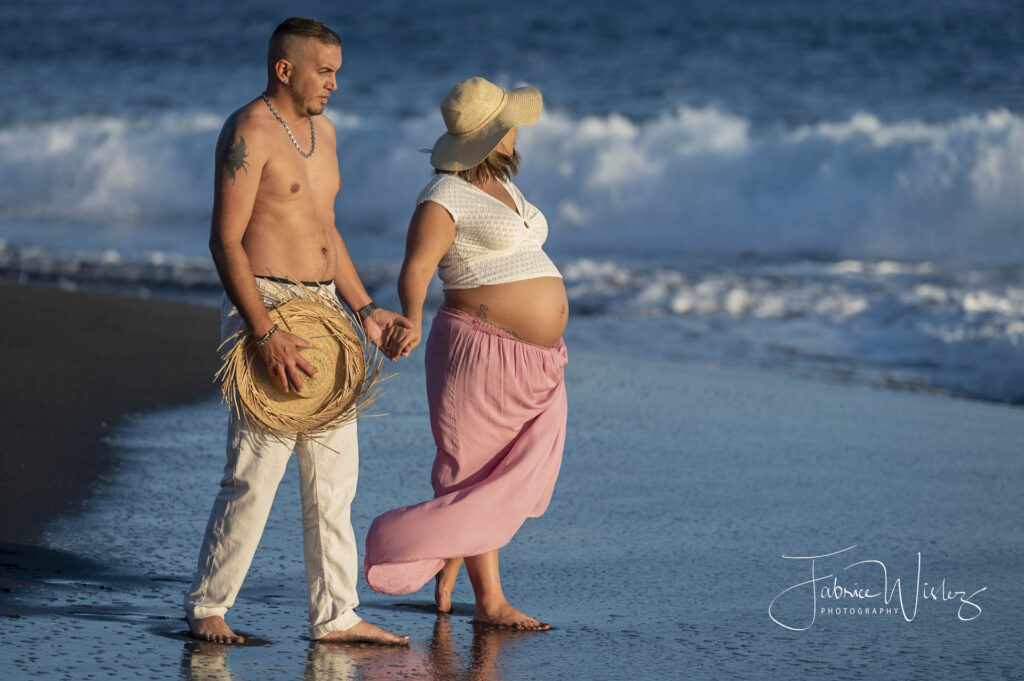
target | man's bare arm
[
  {"x": 236, "y": 180},
  {"x": 346, "y": 278},
  {"x": 240, "y": 158},
  {"x": 350, "y": 288}
]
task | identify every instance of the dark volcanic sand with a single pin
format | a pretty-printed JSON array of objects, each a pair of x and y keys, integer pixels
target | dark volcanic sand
[{"x": 72, "y": 364}]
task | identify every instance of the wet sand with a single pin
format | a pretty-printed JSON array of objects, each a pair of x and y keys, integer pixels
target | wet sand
[
  {"x": 659, "y": 557},
  {"x": 73, "y": 364}
]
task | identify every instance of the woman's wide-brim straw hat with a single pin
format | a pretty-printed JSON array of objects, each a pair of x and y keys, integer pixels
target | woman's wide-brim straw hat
[
  {"x": 478, "y": 114},
  {"x": 347, "y": 368}
]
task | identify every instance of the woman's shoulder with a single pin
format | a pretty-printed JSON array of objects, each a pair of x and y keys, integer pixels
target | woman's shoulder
[{"x": 442, "y": 187}]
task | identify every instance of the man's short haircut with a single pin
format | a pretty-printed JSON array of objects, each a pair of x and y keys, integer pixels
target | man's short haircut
[{"x": 297, "y": 27}]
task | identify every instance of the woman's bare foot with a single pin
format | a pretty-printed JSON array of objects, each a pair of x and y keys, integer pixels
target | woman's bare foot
[
  {"x": 444, "y": 583},
  {"x": 213, "y": 629},
  {"x": 442, "y": 596},
  {"x": 504, "y": 616},
  {"x": 364, "y": 632}
]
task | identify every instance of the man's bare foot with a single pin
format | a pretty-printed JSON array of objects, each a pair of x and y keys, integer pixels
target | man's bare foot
[
  {"x": 444, "y": 583},
  {"x": 364, "y": 632},
  {"x": 213, "y": 629},
  {"x": 506, "y": 617}
]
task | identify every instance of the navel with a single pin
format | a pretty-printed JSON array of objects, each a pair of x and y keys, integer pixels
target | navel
[{"x": 295, "y": 187}]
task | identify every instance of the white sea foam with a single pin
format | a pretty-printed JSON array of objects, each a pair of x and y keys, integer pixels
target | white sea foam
[
  {"x": 954, "y": 328},
  {"x": 921, "y": 325},
  {"x": 691, "y": 180},
  {"x": 108, "y": 168}
]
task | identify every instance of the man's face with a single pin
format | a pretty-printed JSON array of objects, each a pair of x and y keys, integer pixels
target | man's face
[{"x": 312, "y": 79}]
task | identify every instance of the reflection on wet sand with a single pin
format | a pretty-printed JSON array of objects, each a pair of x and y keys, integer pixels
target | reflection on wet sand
[
  {"x": 485, "y": 654},
  {"x": 439, "y": 659},
  {"x": 351, "y": 661},
  {"x": 203, "y": 661}
]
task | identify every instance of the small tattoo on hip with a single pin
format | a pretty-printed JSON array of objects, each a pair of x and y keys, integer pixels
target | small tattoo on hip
[{"x": 482, "y": 314}]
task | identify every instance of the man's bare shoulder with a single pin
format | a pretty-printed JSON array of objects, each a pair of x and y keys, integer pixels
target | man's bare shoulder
[
  {"x": 325, "y": 124},
  {"x": 251, "y": 122},
  {"x": 243, "y": 140}
]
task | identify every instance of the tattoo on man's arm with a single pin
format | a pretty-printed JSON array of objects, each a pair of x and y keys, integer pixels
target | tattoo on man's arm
[
  {"x": 235, "y": 157},
  {"x": 232, "y": 152},
  {"x": 482, "y": 314}
]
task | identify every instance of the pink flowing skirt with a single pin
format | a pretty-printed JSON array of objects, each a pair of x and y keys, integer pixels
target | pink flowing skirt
[{"x": 498, "y": 412}]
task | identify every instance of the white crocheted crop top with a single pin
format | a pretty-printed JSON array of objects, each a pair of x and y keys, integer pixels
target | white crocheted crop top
[{"x": 493, "y": 243}]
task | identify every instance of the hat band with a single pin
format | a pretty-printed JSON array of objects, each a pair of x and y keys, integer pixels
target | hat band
[{"x": 488, "y": 119}]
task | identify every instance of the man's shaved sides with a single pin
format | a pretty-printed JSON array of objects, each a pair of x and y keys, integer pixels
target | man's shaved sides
[{"x": 291, "y": 33}]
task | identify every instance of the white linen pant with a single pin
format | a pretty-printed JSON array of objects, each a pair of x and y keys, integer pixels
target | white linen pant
[{"x": 256, "y": 461}]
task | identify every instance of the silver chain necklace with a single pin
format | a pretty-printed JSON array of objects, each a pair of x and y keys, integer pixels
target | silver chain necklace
[{"x": 312, "y": 130}]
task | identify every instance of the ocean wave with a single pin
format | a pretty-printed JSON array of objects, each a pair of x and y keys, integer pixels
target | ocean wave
[
  {"x": 700, "y": 180},
  {"x": 108, "y": 168},
  {"x": 907, "y": 324},
  {"x": 694, "y": 180},
  {"x": 917, "y": 324}
]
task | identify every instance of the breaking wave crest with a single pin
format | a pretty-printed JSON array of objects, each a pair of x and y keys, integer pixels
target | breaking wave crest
[{"x": 689, "y": 181}]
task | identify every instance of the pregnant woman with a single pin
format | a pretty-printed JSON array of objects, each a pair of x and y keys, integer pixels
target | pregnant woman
[{"x": 494, "y": 359}]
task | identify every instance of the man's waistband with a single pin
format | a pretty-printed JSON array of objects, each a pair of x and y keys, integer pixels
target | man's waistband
[{"x": 282, "y": 280}]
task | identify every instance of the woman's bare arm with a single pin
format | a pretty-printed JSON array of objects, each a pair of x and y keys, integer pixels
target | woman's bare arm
[{"x": 431, "y": 232}]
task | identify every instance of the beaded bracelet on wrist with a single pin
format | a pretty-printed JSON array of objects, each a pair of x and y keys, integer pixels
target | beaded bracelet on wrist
[{"x": 266, "y": 337}]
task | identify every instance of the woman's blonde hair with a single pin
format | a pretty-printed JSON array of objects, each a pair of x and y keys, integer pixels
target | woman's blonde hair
[{"x": 497, "y": 166}]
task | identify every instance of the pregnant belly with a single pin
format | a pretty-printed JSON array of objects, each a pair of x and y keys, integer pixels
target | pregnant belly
[{"x": 534, "y": 310}]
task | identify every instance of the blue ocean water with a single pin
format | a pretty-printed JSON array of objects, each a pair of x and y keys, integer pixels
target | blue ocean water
[{"x": 831, "y": 188}]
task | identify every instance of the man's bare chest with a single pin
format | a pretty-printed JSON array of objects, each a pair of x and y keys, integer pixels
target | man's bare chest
[{"x": 290, "y": 177}]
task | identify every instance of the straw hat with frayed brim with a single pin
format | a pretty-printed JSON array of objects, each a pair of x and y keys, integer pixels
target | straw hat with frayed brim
[
  {"x": 348, "y": 368},
  {"x": 478, "y": 114}
]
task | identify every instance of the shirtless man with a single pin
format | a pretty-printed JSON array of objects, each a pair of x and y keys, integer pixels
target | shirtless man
[{"x": 273, "y": 216}]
